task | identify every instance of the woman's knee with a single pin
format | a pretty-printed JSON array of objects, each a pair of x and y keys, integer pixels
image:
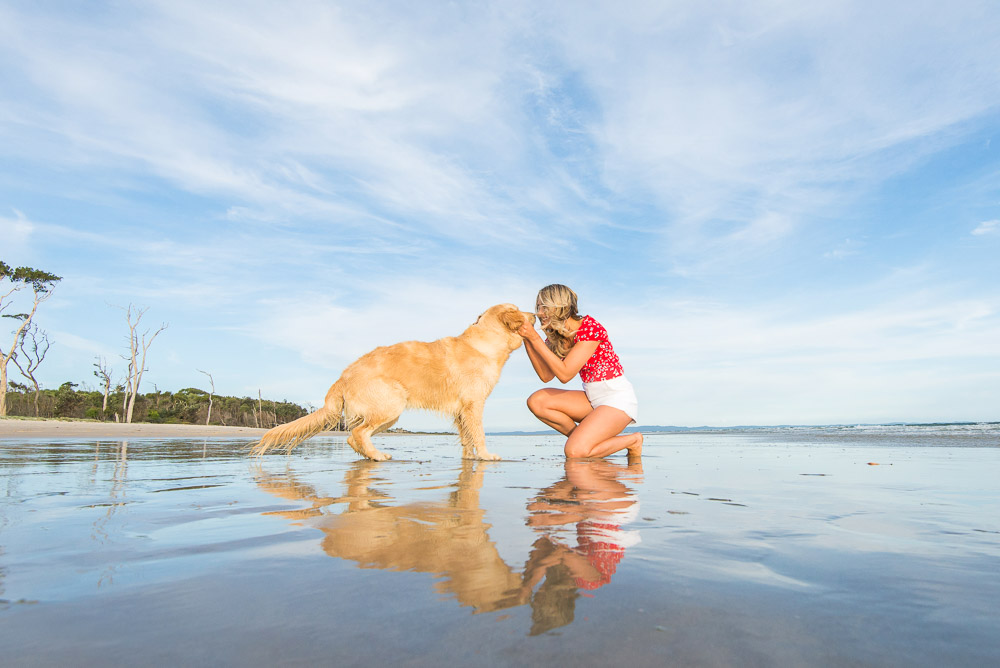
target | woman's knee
[
  {"x": 576, "y": 448},
  {"x": 538, "y": 401},
  {"x": 579, "y": 444}
]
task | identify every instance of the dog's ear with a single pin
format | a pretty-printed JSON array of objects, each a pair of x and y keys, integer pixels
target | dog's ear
[{"x": 512, "y": 319}]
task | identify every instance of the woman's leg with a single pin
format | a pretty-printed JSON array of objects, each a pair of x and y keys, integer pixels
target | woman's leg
[
  {"x": 599, "y": 435},
  {"x": 560, "y": 409}
]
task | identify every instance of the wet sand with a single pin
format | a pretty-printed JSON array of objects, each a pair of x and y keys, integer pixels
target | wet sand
[
  {"x": 19, "y": 428},
  {"x": 718, "y": 550}
]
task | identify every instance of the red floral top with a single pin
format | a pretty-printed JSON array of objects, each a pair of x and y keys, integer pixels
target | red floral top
[
  {"x": 603, "y": 555},
  {"x": 604, "y": 363}
]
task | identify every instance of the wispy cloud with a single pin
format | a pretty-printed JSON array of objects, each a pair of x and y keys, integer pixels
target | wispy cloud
[
  {"x": 765, "y": 114},
  {"x": 846, "y": 248},
  {"x": 987, "y": 227},
  {"x": 320, "y": 179},
  {"x": 375, "y": 122},
  {"x": 868, "y": 362},
  {"x": 16, "y": 235},
  {"x": 332, "y": 331},
  {"x": 356, "y": 124}
]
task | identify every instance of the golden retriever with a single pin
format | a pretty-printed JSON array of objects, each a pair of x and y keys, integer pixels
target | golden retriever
[
  {"x": 448, "y": 537},
  {"x": 453, "y": 375}
]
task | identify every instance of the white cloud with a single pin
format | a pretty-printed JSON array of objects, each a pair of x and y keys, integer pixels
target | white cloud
[
  {"x": 322, "y": 331},
  {"x": 778, "y": 109},
  {"x": 327, "y": 179},
  {"x": 339, "y": 117},
  {"x": 390, "y": 120},
  {"x": 84, "y": 345},
  {"x": 847, "y": 248},
  {"x": 987, "y": 227},
  {"x": 726, "y": 364},
  {"x": 16, "y": 234}
]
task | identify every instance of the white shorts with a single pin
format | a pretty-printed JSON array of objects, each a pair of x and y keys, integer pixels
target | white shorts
[{"x": 615, "y": 392}]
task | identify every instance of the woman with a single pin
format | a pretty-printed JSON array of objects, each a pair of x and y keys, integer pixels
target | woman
[
  {"x": 595, "y": 501},
  {"x": 593, "y": 419}
]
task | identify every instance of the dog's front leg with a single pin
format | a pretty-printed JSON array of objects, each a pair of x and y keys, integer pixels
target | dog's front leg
[
  {"x": 470, "y": 481},
  {"x": 470, "y": 429}
]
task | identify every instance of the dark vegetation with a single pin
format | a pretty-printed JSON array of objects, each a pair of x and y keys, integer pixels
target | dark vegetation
[{"x": 187, "y": 406}]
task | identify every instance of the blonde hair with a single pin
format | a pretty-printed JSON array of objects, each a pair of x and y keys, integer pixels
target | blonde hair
[{"x": 559, "y": 303}]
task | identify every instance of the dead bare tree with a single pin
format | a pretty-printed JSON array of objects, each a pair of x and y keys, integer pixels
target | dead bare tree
[
  {"x": 126, "y": 386},
  {"x": 136, "y": 363},
  {"x": 30, "y": 355},
  {"x": 104, "y": 374},
  {"x": 41, "y": 284},
  {"x": 210, "y": 394}
]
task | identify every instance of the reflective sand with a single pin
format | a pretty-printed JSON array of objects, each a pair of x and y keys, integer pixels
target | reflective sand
[{"x": 720, "y": 549}]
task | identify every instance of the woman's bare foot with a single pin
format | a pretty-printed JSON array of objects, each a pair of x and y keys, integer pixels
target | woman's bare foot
[{"x": 635, "y": 450}]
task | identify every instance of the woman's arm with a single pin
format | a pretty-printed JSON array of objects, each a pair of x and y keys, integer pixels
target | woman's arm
[
  {"x": 547, "y": 364},
  {"x": 537, "y": 363}
]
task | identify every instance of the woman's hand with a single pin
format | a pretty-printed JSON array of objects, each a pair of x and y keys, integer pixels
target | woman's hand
[
  {"x": 533, "y": 345},
  {"x": 527, "y": 330}
]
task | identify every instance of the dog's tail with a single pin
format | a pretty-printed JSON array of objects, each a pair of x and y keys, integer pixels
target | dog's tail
[{"x": 292, "y": 433}]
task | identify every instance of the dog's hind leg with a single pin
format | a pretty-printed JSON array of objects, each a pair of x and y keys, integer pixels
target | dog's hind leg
[
  {"x": 378, "y": 430},
  {"x": 358, "y": 481},
  {"x": 360, "y": 438},
  {"x": 369, "y": 413},
  {"x": 470, "y": 429},
  {"x": 386, "y": 427}
]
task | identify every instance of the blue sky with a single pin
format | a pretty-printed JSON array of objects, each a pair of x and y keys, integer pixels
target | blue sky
[{"x": 783, "y": 212}]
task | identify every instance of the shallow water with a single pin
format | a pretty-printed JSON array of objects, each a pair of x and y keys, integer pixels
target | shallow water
[{"x": 720, "y": 549}]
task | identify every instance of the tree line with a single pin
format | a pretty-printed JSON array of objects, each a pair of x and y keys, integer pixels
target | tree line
[
  {"x": 24, "y": 289},
  {"x": 189, "y": 406}
]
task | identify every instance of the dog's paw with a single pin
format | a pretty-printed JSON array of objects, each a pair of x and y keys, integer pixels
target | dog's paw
[
  {"x": 379, "y": 456},
  {"x": 489, "y": 457}
]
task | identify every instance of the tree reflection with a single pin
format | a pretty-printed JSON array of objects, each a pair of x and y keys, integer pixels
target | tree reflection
[{"x": 116, "y": 499}]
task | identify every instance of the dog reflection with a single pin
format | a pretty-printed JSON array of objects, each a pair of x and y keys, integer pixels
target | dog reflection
[
  {"x": 587, "y": 507},
  {"x": 447, "y": 538},
  {"x": 579, "y": 519}
]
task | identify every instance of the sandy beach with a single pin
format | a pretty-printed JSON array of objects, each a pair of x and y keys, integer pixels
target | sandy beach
[
  {"x": 781, "y": 548},
  {"x": 22, "y": 428}
]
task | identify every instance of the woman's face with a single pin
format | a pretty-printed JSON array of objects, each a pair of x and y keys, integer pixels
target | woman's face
[{"x": 542, "y": 314}]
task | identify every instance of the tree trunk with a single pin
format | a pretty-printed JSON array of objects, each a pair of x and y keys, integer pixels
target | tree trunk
[
  {"x": 3, "y": 388},
  {"x": 41, "y": 283},
  {"x": 6, "y": 357},
  {"x": 137, "y": 366},
  {"x": 126, "y": 391},
  {"x": 210, "y": 395},
  {"x": 134, "y": 384}
]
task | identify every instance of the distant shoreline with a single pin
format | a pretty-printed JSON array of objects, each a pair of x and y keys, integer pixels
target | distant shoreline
[{"x": 20, "y": 427}]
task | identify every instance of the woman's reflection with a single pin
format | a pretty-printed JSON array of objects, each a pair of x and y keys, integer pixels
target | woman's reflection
[{"x": 589, "y": 505}]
